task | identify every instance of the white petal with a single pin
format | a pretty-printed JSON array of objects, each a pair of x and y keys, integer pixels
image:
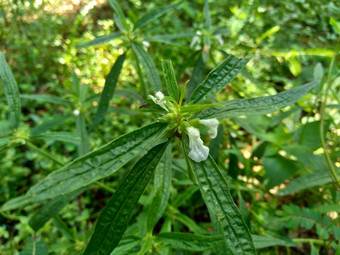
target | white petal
[
  {"x": 159, "y": 95},
  {"x": 212, "y": 124},
  {"x": 198, "y": 152}
]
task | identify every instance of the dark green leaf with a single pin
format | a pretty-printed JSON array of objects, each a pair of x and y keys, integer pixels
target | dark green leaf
[
  {"x": 218, "y": 78},
  {"x": 66, "y": 137},
  {"x": 84, "y": 145},
  {"x": 148, "y": 65},
  {"x": 154, "y": 14},
  {"x": 11, "y": 91},
  {"x": 196, "y": 76},
  {"x": 47, "y": 98},
  {"x": 91, "y": 167},
  {"x": 216, "y": 194},
  {"x": 170, "y": 79},
  {"x": 50, "y": 209},
  {"x": 268, "y": 241},
  {"x": 168, "y": 38},
  {"x": 100, "y": 40},
  {"x": 109, "y": 89},
  {"x": 190, "y": 242},
  {"x": 258, "y": 105},
  {"x": 34, "y": 247},
  {"x": 207, "y": 16},
  {"x": 48, "y": 124},
  {"x": 120, "y": 15},
  {"x": 115, "y": 217}
]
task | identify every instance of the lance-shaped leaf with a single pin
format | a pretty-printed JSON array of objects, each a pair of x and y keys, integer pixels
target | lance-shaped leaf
[
  {"x": 66, "y": 137},
  {"x": 218, "y": 78},
  {"x": 120, "y": 18},
  {"x": 11, "y": 91},
  {"x": 93, "y": 166},
  {"x": 168, "y": 38},
  {"x": 115, "y": 217},
  {"x": 258, "y": 105},
  {"x": 216, "y": 194},
  {"x": 148, "y": 65},
  {"x": 100, "y": 40},
  {"x": 190, "y": 242},
  {"x": 268, "y": 241},
  {"x": 170, "y": 79},
  {"x": 109, "y": 89},
  {"x": 163, "y": 177},
  {"x": 50, "y": 209},
  {"x": 154, "y": 14},
  {"x": 47, "y": 98}
]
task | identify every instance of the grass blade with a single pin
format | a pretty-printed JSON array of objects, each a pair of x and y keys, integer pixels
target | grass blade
[
  {"x": 115, "y": 217},
  {"x": 11, "y": 91}
]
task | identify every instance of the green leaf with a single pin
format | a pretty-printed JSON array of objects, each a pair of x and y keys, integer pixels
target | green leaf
[
  {"x": 109, "y": 89},
  {"x": 170, "y": 79},
  {"x": 126, "y": 245},
  {"x": 66, "y": 137},
  {"x": 196, "y": 76},
  {"x": 312, "y": 180},
  {"x": 11, "y": 91},
  {"x": 207, "y": 15},
  {"x": 190, "y": 242},
  {"x": 58, "y": 120},
  {"x": 198, "y": 107},
  {"x": 218, "y": 78},
  {"x": 148, "y": 65},
  {"x": 184, "y": 196},
  {"x": 335, "y": 24},
  {"x": 50, "y": 209},
  {"x": 187, "y": 221},
  {"x": 216, "y": 194},
  {"x": 258, "y": 105},
  {"x": 120, "y": 15},
  {"x": 154, "y": 14},
  {"x": 47, "y": 98},
  {"x": 84, "y": 145},
  {"x": 169, "y": 38},
  {"x": 115, "y": 217},
  {"x": 268, "y": 241},
  {"x": 100, "y": 40},
  {"x": 34, "y": 247},
  {"x": 163, "y": 177},
  {"x": 91, "y": 167}
]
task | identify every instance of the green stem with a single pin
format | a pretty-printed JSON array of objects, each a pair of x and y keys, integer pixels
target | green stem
[
  {"x": 104, "y": 186},
  {"x": 310, "y": 240},
  {"x": 322, "y": 125},
  {"x": 44, "y": 153}
]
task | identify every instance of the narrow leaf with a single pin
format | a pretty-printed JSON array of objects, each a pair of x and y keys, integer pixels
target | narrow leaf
[
  {"x": 170, "y": 79},
  {"x": 58, "y": 120},
  {"x": 268, "y": 241},
  {"x": 148, "y": 65},
  {"x": 218, "y": 78},
  {"x": 196, "y": 76},
  {"x": 312, "y": 180},
  {"x": 258, "y": 105},
  {"x": 66, "y": 137},
  {"x": 91, "y": 167},
  {"x": 11, "y": 91},
  {"x": 120, "y": 15},
  {"x": 216, "y": 194},
  {"x": 115, "y": 217},
  {"x": 154, "y": 14},
  {"x": 84, "y": 145},
  {"x": 47, "y": 98},
  {"x": 109, "y": 89},
  {"x": 50, "y": 209},
  {"x": 190, "y": 242},
  {"x": 100, "y": 40},
  {"x": 169, "y": 38}
]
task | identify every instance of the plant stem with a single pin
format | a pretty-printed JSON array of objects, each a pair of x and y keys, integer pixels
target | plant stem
[
  {"x": 104, "y": 186},
  {"x": 43, "y": 153},
  {"x": 322, "y": 121},
  {"x": 309, "y": 240}
]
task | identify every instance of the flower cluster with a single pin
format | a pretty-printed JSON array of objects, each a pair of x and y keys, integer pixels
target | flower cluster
[{"x": 198, "y": 151}]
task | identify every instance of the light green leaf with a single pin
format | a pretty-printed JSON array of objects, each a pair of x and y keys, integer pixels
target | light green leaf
[
  {"x": 163, "y": 177},
  {"x": 100, "y": 40},
  {"x": 126, "y": 245},
  {"x": 47, "y": 98},
  {"x": 207, "y": 15},
  {"x": 218, "y": 78},
  {"x": 215, "y": 192},
  {"x": 190, "y": 242},
  {"x": 169, "y": 38},
  {"x": 115, "y": 217},
  {"x": 268, "y": 241},
  {"x": 335, "y": 24},
  {"x": 187, "y": 221},
  {"x": 11, "y": 91},
  {"x": 258, "y": 105},
  {"x": 312, "y": 180},
  {"x": 66, "y": 137},
  {"x": 154, "y": 14},
  {"x": 120, "y": 15},
  {"x": 50, "y": 209},
  {"x": 198, "y": 107},
  {"x": 109, "y": 89},
  {"x": 148, "y": 65},
  {"x": 170, "y": 79},
  {"x": 268, "y": 34},
  {"x": 91, "y": 167}
]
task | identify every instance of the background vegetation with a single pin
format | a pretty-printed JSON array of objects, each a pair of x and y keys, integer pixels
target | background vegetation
[{"x": 278, "y": 165}]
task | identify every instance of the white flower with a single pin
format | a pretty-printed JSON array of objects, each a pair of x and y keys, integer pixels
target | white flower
[
  {"x": 212, "y": 124},
  {"x": 198, "y": 152},
  {"x": 76, "y": 112},
  {"x": 158, "y": 99}
]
